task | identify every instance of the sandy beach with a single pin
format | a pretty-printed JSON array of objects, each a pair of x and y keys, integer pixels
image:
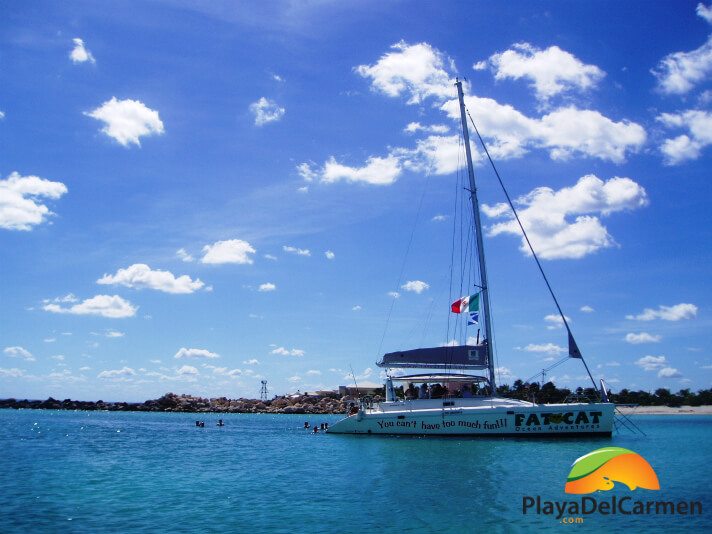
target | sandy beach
[{"x": 666, "y": 410}]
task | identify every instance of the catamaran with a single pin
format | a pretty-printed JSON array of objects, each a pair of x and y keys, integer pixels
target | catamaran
[{"x": 449, "y": 399}]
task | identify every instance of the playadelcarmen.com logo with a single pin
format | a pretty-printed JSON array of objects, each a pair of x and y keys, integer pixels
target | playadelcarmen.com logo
[{"x": 598, "y": 471}]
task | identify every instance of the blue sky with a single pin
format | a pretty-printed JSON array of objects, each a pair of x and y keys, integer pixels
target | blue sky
[{"x": 197, "y": 197}]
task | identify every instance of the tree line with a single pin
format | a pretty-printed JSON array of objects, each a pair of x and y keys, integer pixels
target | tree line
[{"x": 550, "y": 393}]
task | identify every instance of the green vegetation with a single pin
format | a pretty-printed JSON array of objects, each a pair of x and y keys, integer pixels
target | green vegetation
[{"x": 549, "y": 393}]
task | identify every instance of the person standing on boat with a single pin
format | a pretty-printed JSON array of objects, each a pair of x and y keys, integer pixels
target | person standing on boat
[
  {"x": 423, "y": 393},
  {"x": 411, "y": 393},
  {"x": 437, "y": 391}
]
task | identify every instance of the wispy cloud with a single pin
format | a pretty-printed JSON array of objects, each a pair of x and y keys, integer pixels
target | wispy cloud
[
  {"x": 281, "y": 351},
  {"x": 79, "y": 53},
  {"x": 266, "y": 111},
  {"x": 298, "y": 251},
  {"x": 19, "y": 352},
  {"x": 677, "y": 312}
]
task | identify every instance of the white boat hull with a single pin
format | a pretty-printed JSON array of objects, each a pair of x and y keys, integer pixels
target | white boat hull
[{"x": 493, "y": 418}]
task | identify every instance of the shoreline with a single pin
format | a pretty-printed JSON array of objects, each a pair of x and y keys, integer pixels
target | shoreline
[
  {"x": 301, "y": 404},
  {"x": 665, "y": 410},
  {"x": 170, "y": 402}
]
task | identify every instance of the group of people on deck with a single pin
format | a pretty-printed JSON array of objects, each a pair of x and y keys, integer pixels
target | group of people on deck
[{"x": 440, "y": 391}]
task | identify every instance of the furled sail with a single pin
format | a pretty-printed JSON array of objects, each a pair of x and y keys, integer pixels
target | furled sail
[{"x": 462, "y": 357}]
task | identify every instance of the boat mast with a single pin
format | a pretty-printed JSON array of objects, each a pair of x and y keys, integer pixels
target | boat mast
[{"x": 478, "y": 234}]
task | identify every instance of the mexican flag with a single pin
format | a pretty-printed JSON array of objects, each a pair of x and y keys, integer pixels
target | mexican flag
[{"x": 469, "y": 304}]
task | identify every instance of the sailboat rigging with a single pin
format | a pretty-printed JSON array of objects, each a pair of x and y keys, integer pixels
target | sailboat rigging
[{"x": 467, "y": 403}]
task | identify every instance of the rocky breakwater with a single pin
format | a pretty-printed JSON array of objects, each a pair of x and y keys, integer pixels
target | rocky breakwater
[{"x": 170, "y": 402}]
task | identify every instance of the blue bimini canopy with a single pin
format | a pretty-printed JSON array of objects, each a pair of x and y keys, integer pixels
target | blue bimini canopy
[{"x": 462, "y": 357}]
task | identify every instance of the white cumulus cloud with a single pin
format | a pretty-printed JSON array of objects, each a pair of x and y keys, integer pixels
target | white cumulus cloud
[
  {"x": 266, "y": 111},
  {"x": 415, "y": 286},
  {"x": 19, "y": 352},
  {"x": 79, "y": 53},
  {"x": 111, "y": 306},
  {"x": 564, "y": 223},
  {"x": 679, "y": 72},
  {"x": 666, "y": 313},
  {"x": 267, "y": 286},
  {"x": 329, "y": 255},
  {"x": 419, "y": 70},
  {"x": 551, "y": 71},
  {"x": 229, "y": 251},
  {"x": 669, "y": 372},
  {"x": 555, "y": 321},
  {"x": 435, "y": 154},
  {"x": 651, "y": 363},
  {"x": 587, "y": 309},
  {"x": 642, "y": 337},
  {"x": 195, "y": 353},
  {"x": 140, "y": 275},
  {"x": 127, "y": 120},
  {"x": 686, "y": 146},
  {"x": 564, "y": 132},
  {"x": 376, "y": 171},
  {"x": 21, "y": 207}
]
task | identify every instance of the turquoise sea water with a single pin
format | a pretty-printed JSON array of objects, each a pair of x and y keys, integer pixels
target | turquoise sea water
[{"x": 156, "y": 472}]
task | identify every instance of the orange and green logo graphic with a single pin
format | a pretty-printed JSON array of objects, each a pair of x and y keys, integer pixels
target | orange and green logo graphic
[{"x": 600, "y": 469}]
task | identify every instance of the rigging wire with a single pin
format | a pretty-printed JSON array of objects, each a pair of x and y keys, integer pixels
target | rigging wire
[
  {"x": 405, "y": 258},
  {"x": 531, "y": 248},
  {"x": 546, "y": 370},
  {"x": 452, "y": 249}
]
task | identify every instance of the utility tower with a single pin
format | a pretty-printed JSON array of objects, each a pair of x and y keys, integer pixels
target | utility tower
[{"x": 263, "y": 391}]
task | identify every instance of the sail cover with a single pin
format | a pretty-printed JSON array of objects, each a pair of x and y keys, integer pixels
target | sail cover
[{"x": 463, "y": 357}]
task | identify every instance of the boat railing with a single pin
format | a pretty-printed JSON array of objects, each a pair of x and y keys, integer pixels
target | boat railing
[
  {"x": 576, "y": 398},
  {"x": 366, "y": 402}
]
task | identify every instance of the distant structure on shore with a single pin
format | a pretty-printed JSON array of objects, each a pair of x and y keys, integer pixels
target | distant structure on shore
[{"x": 263, "y": 391}]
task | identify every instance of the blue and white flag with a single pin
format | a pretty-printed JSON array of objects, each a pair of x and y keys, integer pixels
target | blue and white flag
[{"x": 474, "y": 318}]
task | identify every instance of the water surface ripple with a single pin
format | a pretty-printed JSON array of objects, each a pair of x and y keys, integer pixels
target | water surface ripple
[{"x": 156, "y": 472}]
